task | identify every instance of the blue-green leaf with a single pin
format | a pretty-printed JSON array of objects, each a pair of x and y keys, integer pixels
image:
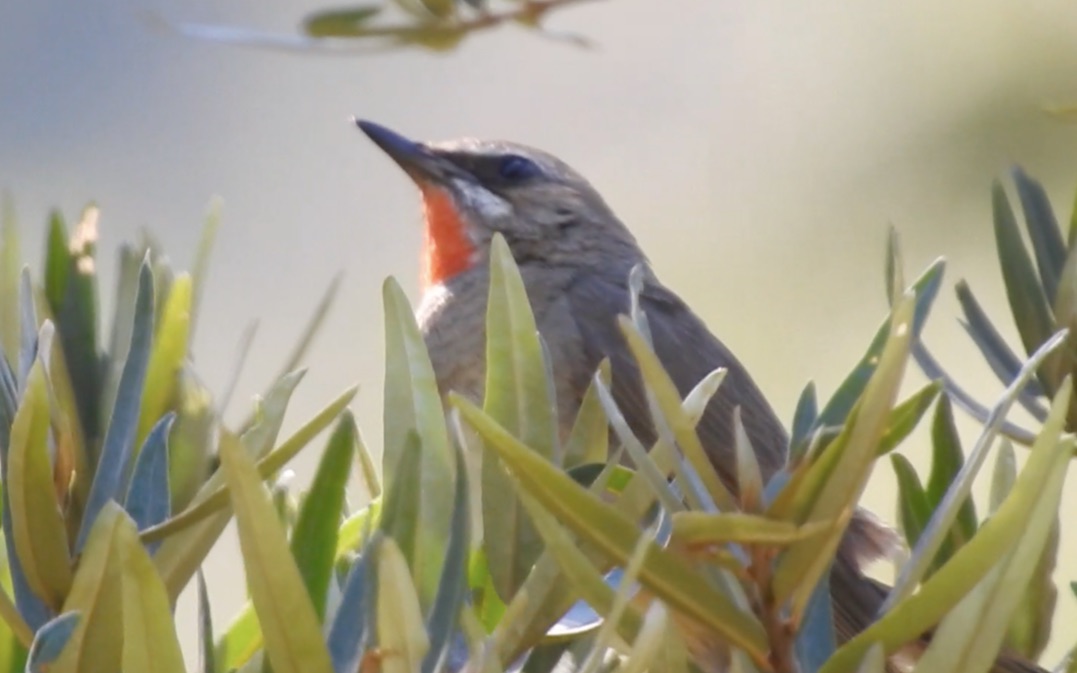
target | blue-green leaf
[
  {"x": 1042, "y": 227},
  {"x": 108, "y": 481},
  {"x": 353, "y": 625},
  {"x": 50, "y": 640},
  {"x": 452, "y": 589},
  {"x": 207, "y": 660},
  {"x": 1028, "y": 303},
  {"x": 148, "y": 500}
]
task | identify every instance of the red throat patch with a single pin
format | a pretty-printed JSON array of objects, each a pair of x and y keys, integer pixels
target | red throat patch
[{"x": 446, "y": 248}]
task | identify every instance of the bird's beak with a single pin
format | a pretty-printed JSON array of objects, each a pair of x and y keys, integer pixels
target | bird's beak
[{"x": 422, "y": 165}]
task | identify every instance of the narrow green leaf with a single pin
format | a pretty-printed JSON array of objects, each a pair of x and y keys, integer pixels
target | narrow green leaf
[
  {"x": 749, "y": 476},
  {"x": 207, "y": 660},
  {"x": 123, "y": 320},
  {"x": 668, "y": 576},
  {"x": 452, "y": 587},
  {"x": 352, "y": 532},
  {"x": 1043, "y": 232},
  {"x": 669, "y": 401},
  {"x": 351, "y": 626},
  {"x": 704, "y": 528},
  {"x": 836, "y": 480},
  {"x": 906, "y": 416},
  {"x": 816, "y": 637},
  {"x": 344, "y": 22},
  {"x": 9, "y": 612},
  {"x": 148, "y": 499},
  {"x": 191, "y": 442},
  {"x": 413, "y": 404},
  {"x": 293, "y": 638},
  {"x": 97, "y": 594},
  {"x": 369, "y": 474},
  {"x": 76, "y": 323},
  {"x": 909, "y": 618},
  {"x": 214, "y": 496},
  {"x": 108, "y": 482},
  {"x": 28, "y": 323},
  {"x": 150, "y": 644},
  {"x": 997, "y": 353},
  {"x": 649, "y": 644},
  {"x": 588, "y": 442},
  {"x": 37, "y": 524},
  {"x": 314, "y": 539},
  {"x": 200, "y": 266},
  {"x": 697, "y": 399},
  {"x": 31, "y": 609},
  {"x": 1028, "y": 302},
  {"x": 183, "y": 552},
  {"x": 914, "y": 510},
  {"x": 804, "y": 419},
  {"x": 50, "y": 640},
  {"x": 517, "y": 397},
  {"x": 58, "y": 262},
  {"x": 947, "y": 458},
  {"x": 399, "y": 620},
  {"x": 657, "y": 480},
  {"x": 1003, "y": 476},
  {"x": 573, "y": 569},
  {"x": 240, "y": 642},
  {"x": 10, "y": 264},
  {"x": 400, "y": 515},
  {"x": 604, "y": 640},
  {"x": 1030, "y": 628},
  {"x": 970, "y": 636},
  {"x": 947, "y": 512},
  {"x": 925, "y": 289},
  {"x": 167, "y": 357}
]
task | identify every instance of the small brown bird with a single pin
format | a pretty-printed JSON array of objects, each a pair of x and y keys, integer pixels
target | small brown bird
[{"x": 575, "y": 256}]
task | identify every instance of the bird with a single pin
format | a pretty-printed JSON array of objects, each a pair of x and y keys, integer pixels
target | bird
[{"x": 575, "y": 255}]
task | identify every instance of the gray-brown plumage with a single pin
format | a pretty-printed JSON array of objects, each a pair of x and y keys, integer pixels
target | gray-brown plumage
[{"x": 575, "y": 256}]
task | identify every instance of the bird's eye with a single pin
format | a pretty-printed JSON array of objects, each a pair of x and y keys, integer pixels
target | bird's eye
[{"x": 515, "y": 168}]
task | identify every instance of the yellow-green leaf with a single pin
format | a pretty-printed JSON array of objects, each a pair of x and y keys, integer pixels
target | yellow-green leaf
[
  {"x": 519, "y": 398},
  {"x": 937, "y": 596},
  {"x": 97, "y": 593},
  {"x": 401, "y": 632},
  {"x": 240, "y": 641},
  {"x": 834, "y": 483},
  {"x": 668, "y": 576},
  {"x": 149, "y": 634},
  {"x": 704, "y": 528},
  {"x": 413, "y": 405},
  {"x": 293, "y": 636},
  {"x": 36, "y": 522},
  {"x": 167, "y": 357},
  {"x": 680, "y": 423},
  {"x": 588, "y": 442}
]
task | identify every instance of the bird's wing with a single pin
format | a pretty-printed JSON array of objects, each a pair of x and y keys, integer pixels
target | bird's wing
[{"x": 689, "y": 352}]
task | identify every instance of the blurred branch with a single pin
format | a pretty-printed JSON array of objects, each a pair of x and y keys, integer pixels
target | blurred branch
[{"x": 437, "y": 26}]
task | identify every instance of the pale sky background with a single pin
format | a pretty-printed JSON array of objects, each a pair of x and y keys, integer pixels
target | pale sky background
[{"x": 758, "y": 149}]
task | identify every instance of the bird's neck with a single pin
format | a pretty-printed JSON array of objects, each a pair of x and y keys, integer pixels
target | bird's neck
[{"x": 447, "y": 249}]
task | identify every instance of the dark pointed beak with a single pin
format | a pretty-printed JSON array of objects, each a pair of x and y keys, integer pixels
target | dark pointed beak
[{"x": 415, "y": 158}]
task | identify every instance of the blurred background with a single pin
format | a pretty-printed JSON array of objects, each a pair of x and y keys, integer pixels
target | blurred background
[{"x": 759, "y": 150}]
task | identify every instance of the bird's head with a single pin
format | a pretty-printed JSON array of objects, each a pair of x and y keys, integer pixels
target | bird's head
[{"x": 472, "y": 189}]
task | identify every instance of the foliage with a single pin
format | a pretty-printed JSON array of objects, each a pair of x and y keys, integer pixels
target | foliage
[
  {"x": 119, "y": 474},
  {"x": 435, "y": 25}
]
